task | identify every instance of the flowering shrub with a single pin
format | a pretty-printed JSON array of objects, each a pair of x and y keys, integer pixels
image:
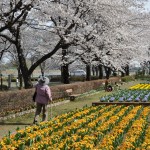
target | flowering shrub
[{"x": 101, "y": 127}]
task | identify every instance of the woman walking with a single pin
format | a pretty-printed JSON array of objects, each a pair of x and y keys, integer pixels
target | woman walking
[{"x": 42, "y": 98}]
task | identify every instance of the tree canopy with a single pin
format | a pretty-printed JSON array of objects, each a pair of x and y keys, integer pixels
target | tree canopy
[{"x": 108, "y": 33}]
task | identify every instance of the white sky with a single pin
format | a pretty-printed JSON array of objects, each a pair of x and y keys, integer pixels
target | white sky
[{"x": 147, "y": 6}]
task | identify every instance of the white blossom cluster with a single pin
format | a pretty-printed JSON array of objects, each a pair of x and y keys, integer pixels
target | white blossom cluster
[{"x": 106, "y": 32}]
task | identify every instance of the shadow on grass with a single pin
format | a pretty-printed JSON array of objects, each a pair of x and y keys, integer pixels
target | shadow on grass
[{"x": 14, "y": 123}]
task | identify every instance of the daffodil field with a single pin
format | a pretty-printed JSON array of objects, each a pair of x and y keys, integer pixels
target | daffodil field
[
  {"x": 90, "y": 128},
  {"x": 111, "y": 127},
  {"x": 140, "y": 86}
]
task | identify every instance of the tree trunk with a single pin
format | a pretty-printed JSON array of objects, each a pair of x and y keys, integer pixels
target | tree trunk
[
  {"x": 127, "y": 70},
  {"x": 65, "y": 74},
  {"x": 122, "y": 74},
  {"x": 1, "y": 76},
  {"x": 26, "y": 73},
  {"x": 96, "y": 70},
  {"x": 88, "y": 72},
  {"x": 100, "y": 67},
  {"x": 148, "y": 67},
  {"x": 20, "y": 78},
  {"x": 114, "y": 73},
  {"x": 108, "y": 72},
  {"x": 23, "y": 66},
  {"x": 42, "y": 66},
  {"x": 93, "y": 70},
  {"x": 143, "y": 71},
  {"x": 65, "y": 67}
]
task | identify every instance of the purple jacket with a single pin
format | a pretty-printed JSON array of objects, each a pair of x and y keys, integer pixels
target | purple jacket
[{"x": 43, "y": 94}]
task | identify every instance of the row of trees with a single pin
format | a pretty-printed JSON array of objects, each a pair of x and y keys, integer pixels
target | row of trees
[{"x": 97, "y": 33}]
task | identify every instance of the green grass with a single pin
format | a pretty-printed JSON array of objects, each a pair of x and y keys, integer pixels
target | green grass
[{"x": 27, "y": 119}]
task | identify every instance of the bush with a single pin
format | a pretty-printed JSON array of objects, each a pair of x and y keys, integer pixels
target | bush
[
  {"x": 4, "y": 78},
  {"x": 94, "y": 78},
  {"x": 19, "y": 100},
  {"x": 55, "y": 78},
  {"x": 4, "y": 87},
  {"x": 143, "y": 77},
  {"x": 16, "y": 100},
  {"x": 77, "y": 78},
  {"x": 13, "y": 79},
  {"x": 82, "y": 78},
  {"x": 128, "y": 78}
]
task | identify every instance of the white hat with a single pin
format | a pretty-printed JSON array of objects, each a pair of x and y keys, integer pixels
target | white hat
[{"x": 43, "y": 80}]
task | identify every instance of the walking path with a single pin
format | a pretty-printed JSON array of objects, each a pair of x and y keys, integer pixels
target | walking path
[{"x": 14, "y": 121}]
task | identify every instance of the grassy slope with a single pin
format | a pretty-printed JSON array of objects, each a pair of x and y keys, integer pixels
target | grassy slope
[{"x": 21, "y": 122}]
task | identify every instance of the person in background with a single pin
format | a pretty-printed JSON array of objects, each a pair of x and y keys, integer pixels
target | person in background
[
  {"x": 17, "y": 82},
  {"x": 43, "y": 96},
  {"x": 109, "y": 88}
]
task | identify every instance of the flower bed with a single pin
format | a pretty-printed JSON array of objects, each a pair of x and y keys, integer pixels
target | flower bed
[
  {"x": 141, "y": 86},
  {"x": 128, "y": 96},
  {"x": 136, "y": 93},
  {"x": 101, "y": 127}
]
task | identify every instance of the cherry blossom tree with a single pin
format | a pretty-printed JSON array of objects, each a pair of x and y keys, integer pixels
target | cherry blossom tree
[
  {"x": 104, "y": 32},
  {"x": 103, "y": 23},
  {"x": 13, "y": 13}
]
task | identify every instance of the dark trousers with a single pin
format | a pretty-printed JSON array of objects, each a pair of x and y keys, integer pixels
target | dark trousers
[{"x": 39, "y": 108}]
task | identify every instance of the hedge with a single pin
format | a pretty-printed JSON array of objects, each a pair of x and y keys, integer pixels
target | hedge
[
  {"x": 16, "y": 101},
  {"x": 128, "y": 78}
]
